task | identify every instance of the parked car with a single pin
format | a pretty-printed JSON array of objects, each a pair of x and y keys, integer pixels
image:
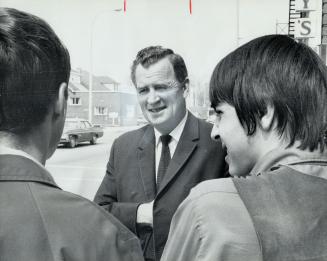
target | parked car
[{"x": 78, "y": 130}]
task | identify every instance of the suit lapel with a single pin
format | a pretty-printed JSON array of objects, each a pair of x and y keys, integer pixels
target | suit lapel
[
  {"x": 146, "y": 160},
  {"x": 185, "y": 147}
]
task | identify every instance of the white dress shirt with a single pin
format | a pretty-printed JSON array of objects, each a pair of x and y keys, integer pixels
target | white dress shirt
[{"x": 175, "y": 135}]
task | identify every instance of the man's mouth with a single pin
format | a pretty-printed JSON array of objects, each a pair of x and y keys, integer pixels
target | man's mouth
[
  {"x": 155, "y": 110},
  {"x": 223, "y": 145}
]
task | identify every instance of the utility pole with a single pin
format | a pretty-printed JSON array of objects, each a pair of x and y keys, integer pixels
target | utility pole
[
  {"x": 323, "y": 46},
  {"x": 237, "y": 23}
]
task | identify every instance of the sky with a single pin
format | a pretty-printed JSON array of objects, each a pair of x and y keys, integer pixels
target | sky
[{"x": 101, "y": 37}]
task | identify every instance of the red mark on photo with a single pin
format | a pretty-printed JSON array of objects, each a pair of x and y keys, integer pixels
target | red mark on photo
[
  {"x": 190, "y": 5},
  {"x": 124, "y": 5}
]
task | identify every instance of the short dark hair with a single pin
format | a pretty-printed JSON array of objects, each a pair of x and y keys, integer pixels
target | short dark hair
[
  {"x": 275, "y": 70},
  {"x": 33, "y": 64},
  {"x": 152, "y": 54}
]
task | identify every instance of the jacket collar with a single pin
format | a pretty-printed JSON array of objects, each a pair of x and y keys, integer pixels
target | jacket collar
[
  {"x": 20, "y": 168},
  {"x": 294, "y": 158}
]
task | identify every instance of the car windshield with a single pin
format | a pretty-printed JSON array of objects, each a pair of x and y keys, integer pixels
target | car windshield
[{"x": 71, "y": 125}]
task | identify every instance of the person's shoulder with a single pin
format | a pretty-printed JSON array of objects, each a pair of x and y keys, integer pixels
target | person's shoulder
[
  {"x": 76, "y": 202},
  {"x": 83, "y": 226},
  {"x": 63, "y": 207},
  {"x": 211, "y": 194},
  {"x": 217, "y": 208},
  {"x": 211, "y": 202},
  {"x": 212, "y": 187},
  {"x": 131, "y": 139},
  {"x": 135, "y": 134},
  {"x": 217, "y": 217}
]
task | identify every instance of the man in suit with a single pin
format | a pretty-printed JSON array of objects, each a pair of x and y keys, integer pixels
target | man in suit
[
  {"x": 152, "y": 169},
  {"x": 38, "y": 220}
]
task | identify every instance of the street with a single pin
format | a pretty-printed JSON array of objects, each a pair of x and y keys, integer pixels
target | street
[{"x": 80, "y": 170}]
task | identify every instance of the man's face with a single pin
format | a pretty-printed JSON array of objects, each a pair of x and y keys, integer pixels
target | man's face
[
  {"x": 242, "y": 153},
  {"x": 161, "y": 96}
]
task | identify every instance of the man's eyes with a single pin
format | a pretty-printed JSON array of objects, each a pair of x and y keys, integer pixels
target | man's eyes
[
  {"x": 157, "y": 88},
  {"x": 218, "y": 115},
  {"x": 142, "y": 90},
  {"x": 218, "y": 112},
  {"x": 161, "y": 87}
]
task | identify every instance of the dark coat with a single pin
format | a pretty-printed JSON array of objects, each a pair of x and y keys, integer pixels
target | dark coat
[
  {"x": 39, "y": 221},
  {"x": 130, "y": 177}
]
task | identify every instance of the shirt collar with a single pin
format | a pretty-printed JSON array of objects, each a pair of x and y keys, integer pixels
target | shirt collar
[
  {"x": 4, "y": 150},
  {"x": 175, "y": 133}
]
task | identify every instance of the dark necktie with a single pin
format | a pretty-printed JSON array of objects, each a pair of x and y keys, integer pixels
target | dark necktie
[{"x": 164, "y": 159}]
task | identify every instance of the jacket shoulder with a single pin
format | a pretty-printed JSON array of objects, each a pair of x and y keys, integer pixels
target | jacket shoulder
[
  {"x": 133, "y": 136},
  {"x": 66, "y": 207},
  {"x": 73, "y": 228},
  {"x": 218, "y": 226}
]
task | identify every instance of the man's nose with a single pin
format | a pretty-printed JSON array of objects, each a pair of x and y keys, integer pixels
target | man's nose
[
  {"x": 215, "y": 133},
  {"x": 153, "y": 96}
]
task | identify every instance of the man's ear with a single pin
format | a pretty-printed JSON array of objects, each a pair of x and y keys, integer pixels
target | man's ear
[
  {"x": 186, "y": 87},
  {"x": 61, "y": 103},
  {"x": 267, "y": 119}
]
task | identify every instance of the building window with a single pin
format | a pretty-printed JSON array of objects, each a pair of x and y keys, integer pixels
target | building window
[
  {"x": 75, "y": 101},
  {"x": 101, "y": 110}
]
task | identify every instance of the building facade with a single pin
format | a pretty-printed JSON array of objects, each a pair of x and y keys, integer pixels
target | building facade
[{"x": 110, "y": 105}]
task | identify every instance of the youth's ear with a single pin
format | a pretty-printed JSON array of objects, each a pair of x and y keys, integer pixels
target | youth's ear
[
  {"x": 61, "y": 103},
  {"x": 267, "y": 119}
]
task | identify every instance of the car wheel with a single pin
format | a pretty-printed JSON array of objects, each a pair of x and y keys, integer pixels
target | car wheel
[
  {"x": 72, "y": 142},
  {"x": 94, "y": 139}
]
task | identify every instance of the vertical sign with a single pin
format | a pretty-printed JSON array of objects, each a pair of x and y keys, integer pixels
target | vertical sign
[
  {"x": 305, "y": 26},
  {"x": 305, "y": 5}
]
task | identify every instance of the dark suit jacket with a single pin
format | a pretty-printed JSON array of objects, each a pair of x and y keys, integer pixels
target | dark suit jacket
[
  {"x": 130, "y": 176},
  {"x": 39, "y": 221}
]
